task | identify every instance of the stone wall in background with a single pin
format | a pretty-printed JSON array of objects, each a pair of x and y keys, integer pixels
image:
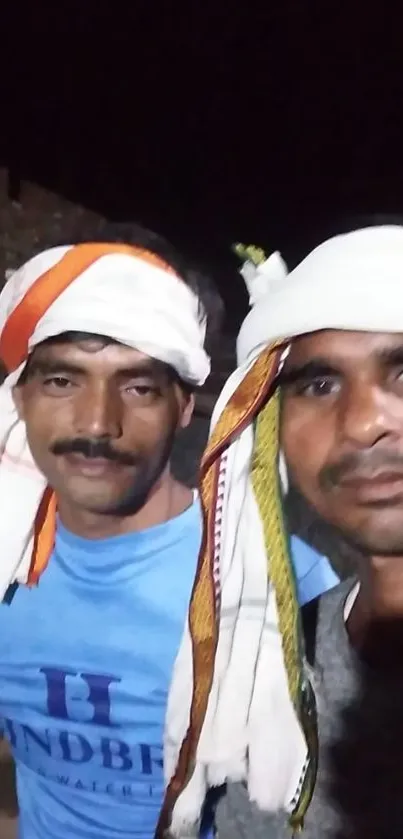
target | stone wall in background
[{"x": 42, "y": 219}]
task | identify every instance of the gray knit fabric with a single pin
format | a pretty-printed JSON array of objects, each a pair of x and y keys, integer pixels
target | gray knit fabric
[{"x": 352, "y": 791}]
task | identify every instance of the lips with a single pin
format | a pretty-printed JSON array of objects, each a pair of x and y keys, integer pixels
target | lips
[
  {"x": 90, "y": 467},
  {"x": 376, "y": 487}
]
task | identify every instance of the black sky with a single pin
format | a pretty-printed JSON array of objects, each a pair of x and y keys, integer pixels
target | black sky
[{"x": 210, "y": 121}]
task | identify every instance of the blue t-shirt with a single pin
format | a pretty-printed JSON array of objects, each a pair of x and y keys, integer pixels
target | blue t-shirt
[{"x": 86, "y": 660}]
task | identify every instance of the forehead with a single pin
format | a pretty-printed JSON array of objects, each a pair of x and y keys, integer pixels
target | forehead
[{"x": 342, "y": 348}]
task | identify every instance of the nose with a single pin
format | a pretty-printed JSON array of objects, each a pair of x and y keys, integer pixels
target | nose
[
  {"x": 99, "y": 412},
  {"x": 365, "y": 417}
]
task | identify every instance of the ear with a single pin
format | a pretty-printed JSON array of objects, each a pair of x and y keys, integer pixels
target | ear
[
  {"x": 187, "y": 410},
  {"x": 18, "y": 396}
]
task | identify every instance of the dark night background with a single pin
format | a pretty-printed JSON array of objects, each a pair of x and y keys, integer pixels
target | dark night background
[
  {"x": 209, "y": 121},
  {"x": 276, "y": 123}
]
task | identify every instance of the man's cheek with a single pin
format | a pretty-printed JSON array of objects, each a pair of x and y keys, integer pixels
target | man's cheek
[
  {"x": 305, "y": 475},
  {"x": 39, "y": 437}
]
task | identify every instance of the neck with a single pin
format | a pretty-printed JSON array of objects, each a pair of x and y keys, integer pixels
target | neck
[
  {"x": 165, "y": 501},
  {"x": 382, "y": 586},
  {"x": 375, "y": 625}
]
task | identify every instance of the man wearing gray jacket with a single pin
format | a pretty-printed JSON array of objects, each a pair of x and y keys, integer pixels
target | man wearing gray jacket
[{"x": 331, "y": 336}]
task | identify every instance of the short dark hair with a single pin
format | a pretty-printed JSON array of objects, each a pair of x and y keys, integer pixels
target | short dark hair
[{"x": 211, "y": 306}]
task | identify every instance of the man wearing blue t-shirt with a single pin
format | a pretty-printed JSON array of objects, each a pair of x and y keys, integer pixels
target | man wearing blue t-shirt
[{"x": 104, "y": 346}]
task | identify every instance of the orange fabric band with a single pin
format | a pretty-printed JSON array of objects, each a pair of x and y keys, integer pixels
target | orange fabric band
[{"x": 49, "y": 286}]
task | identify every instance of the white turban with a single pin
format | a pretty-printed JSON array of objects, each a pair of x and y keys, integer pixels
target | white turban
[
  {"x": 353, "y": 281},
  {"x": 124, "y": 293}
]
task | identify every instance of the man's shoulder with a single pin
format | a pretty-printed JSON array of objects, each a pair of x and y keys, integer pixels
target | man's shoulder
[
  {"x": 336, "y": 596},
  {"x": 330, "y": 601}
]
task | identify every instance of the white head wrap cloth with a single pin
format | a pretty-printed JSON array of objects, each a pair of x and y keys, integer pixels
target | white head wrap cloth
[
  {"x": 123, "y": 296},
  {"x": 353, "y": 281},
  {"x": 251, "y": 730}
]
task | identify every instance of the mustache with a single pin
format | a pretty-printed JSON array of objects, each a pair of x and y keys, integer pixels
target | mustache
[
  {"x": 93, "y": 448},
  {"x": 362, "y": 464}
]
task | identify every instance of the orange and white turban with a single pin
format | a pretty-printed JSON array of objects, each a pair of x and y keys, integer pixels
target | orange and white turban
[{"x": 123, "y": 292}]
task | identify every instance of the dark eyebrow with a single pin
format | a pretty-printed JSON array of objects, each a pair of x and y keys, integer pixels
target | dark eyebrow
[
  {"x": 392, "y": 357},
  {"x": 47, "y": 368},
  {"x": 314, "y": 369},
  {"x": 150, "y": 369}
]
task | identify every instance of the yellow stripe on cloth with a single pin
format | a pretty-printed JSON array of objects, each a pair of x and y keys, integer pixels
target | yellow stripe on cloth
[
  {"x": 266, "y": 485},
  {"x": 265, "y": 482}
]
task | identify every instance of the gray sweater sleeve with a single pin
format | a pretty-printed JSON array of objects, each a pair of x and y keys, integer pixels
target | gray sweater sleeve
[{"x": 237, "y": 818}]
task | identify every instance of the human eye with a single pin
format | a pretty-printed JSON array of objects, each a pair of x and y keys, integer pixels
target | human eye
[
  {"x": 142, "y": 390},
  {"x": 57, "y": 383},
  {"x": 394, "y": 381},
  {"x": 320, "y": 386}
]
